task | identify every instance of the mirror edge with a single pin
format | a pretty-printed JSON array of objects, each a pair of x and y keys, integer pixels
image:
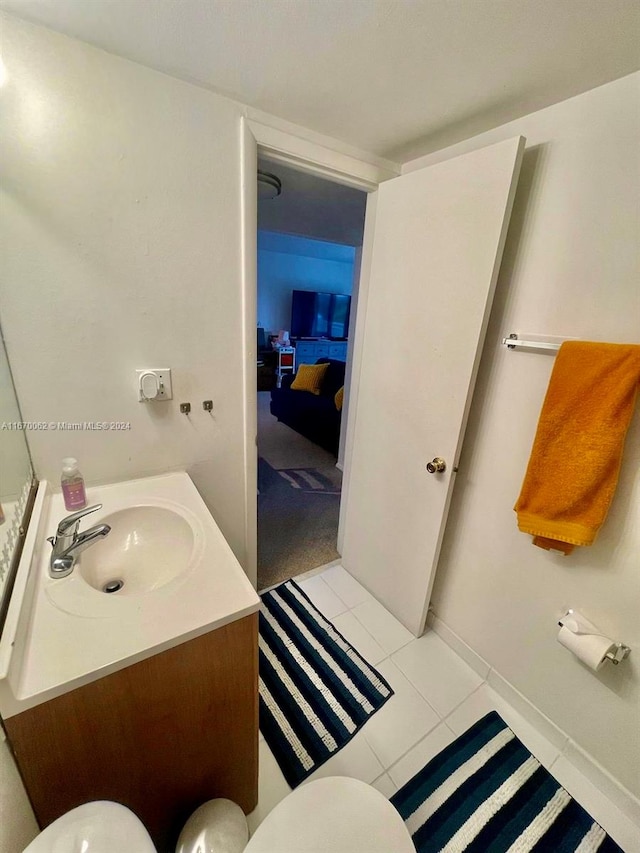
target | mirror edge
[{"x": 31, "y": 489}]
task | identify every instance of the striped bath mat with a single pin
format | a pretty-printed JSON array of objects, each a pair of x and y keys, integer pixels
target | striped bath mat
[
  {"x": 486, "y": 792},
  {"x": 316, "y": 691}
]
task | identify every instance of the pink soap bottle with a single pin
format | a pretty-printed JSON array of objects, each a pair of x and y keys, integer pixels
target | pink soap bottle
[{"x": 72, "y": 485}]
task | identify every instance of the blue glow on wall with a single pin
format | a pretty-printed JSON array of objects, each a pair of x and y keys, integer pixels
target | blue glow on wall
[{"x": 287, "y": 263}]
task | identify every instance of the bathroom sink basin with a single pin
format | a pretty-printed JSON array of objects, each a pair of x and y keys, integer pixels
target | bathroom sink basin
[{"x": 147, "y": 548}]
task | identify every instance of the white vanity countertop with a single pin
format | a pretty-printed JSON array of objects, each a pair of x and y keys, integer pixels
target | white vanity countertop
[{"x": 72, "y": 634}]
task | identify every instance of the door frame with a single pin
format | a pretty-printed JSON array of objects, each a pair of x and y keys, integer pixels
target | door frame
[{"x": 314, "y": 157}]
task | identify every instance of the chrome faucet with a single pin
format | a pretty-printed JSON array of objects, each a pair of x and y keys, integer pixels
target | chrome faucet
[{"x": 67, "y": 544}]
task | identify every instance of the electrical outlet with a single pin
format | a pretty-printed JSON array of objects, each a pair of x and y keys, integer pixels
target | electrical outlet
[{"x": 154, "y": 384}]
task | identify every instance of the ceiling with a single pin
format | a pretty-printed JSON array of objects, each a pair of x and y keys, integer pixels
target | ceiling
[
  {"x": 393, "y": 77},
  {"x": 312, "y": 207}
]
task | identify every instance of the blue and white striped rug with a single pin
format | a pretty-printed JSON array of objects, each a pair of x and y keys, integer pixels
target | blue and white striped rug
[
  {"x": 486, "y": 792},
  {"x": 316, "y": 691}
]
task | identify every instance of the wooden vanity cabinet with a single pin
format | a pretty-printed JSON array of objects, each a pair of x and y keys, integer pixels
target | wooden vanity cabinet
[{"x": 161, "y": 736}]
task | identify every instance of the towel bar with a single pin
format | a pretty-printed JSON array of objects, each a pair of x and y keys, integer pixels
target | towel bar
[{"x": 551, "y": 345}]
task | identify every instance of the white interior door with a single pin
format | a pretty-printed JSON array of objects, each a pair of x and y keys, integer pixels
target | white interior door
[{"x": 433, "y": 254}]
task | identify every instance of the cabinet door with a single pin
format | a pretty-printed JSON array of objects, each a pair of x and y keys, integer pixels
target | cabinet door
[
  {"x": 305, "y": 353},
  {"x": 161, "y": 736},
  {"x": 304, "y": 350},
  {"x": 321, "y": 351},
  {"x": 338, "y": 351}
]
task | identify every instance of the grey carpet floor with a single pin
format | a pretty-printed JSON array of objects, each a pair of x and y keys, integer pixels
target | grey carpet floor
[{"x": 297, "y": 527}]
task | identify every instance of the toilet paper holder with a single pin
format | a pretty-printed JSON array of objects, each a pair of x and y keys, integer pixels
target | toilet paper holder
[
  {"x": 620, "y": 653},
  {"x": 573, "y": 620}
]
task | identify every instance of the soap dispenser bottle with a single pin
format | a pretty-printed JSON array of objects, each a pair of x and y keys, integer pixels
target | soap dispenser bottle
[{"x": 72, "y": 485}]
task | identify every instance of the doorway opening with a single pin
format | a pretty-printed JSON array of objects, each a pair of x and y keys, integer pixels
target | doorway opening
[{"x": 309, "y": 243}]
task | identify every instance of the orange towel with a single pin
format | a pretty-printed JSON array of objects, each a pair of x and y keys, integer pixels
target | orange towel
[{"x": 577, "y": 452}]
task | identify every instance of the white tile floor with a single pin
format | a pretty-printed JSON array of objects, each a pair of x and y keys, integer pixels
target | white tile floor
[{"x": 437, "y": 696}]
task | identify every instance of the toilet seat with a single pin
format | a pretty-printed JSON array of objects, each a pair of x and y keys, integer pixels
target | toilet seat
[{"x": 332, "y": 815}]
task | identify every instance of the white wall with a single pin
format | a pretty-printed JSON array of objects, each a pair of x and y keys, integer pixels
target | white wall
[
  {"x": 571, "y": 267},
  {"x": 287, "y": 263},
  {"x": 121, "y": 249}
]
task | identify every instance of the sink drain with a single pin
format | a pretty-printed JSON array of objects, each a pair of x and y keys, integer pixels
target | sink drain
[{"x": 113, "y": 586}]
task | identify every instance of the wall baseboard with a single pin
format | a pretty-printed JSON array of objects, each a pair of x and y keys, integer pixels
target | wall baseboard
[{"x": 620, "y": 796}]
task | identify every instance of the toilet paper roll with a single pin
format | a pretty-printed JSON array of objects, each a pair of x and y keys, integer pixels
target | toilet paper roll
[{"x": 591, "y": 649}]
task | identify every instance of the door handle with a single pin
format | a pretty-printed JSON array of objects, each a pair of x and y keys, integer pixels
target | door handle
[{"x": 437, "y": 466}]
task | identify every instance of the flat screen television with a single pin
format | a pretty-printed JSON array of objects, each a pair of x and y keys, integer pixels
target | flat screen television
[{"x": 319, "y": 315}]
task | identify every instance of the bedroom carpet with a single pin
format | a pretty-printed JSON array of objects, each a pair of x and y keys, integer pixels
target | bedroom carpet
[
  {"x": 298, "y": 501},
  {"x": 297, "y": 527}
]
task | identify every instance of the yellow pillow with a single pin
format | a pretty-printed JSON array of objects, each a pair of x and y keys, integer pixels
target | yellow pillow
[
  {"x": 309, "y": 378},
  {"x": 339, "y": 397}
]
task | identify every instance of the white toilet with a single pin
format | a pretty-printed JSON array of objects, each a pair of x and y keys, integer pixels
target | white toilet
[{"x": 336, "y": 814}]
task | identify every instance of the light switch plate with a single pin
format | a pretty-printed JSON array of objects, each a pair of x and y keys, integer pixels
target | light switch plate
[{"x": 164, "y": 382}]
